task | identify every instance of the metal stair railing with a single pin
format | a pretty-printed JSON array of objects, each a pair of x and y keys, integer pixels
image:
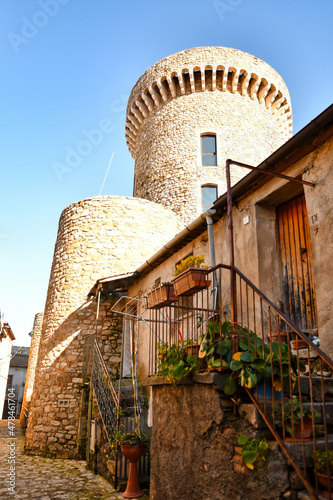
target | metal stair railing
[
  {"x": 231, "y": 294},
  {"x": 105, "y": 393},
  {"x": 255, "y": 311},
  {"x": 108, "y": 404}
]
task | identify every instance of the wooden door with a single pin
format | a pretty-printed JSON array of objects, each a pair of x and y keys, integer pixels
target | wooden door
[{"x": 299, "y": 298}]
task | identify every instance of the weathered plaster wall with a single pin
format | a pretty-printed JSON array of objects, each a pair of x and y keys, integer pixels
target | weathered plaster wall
[
  {"x": 207, "y": 89},
  {"x": 193, "y": 454},
  {"x": 320, "y": 208}
]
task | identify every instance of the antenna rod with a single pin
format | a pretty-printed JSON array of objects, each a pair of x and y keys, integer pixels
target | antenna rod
[{"x": 106, "y": 174}]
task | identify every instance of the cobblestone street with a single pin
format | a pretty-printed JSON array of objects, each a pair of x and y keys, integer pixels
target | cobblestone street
[{"x": 45, "y": 478}]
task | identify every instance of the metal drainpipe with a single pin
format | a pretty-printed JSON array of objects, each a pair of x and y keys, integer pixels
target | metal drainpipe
[{"x": 210, "y": 231}]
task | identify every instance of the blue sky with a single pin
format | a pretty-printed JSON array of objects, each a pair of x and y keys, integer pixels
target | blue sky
[{"x": 67, "y": 68}]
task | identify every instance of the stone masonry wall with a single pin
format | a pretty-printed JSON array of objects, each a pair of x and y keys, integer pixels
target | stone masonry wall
[
  {"x": 31, "y": 372},
  {"x": 55, "y": 408},
  {"x": 216, "y": 90},
  {"x": 97, "y": 237}
]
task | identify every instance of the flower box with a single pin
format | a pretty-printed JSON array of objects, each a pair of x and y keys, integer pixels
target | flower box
[
  {"x": 277, "y": 336},
  {"x": 298, "y": 344},
  {"x": 191, "y": 281},
  {"x": 162, "y": 296}
]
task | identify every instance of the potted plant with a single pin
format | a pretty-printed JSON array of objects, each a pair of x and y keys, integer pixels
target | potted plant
[
  {"x": 253, "y": 451},
  {"x": 175, "y": 362},
  {"x": 323, "y": 462},
  {"x": 296, "y": 417},
  {"x": 161, "y": 295},
  {"x": 132, "y": 444},
  {"x": 190, "y": 276}
]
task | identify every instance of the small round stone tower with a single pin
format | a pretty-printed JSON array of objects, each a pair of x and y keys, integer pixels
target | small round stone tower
[
  {"x": 97, "y": 237},
  {"x": 191, "y": 111}
]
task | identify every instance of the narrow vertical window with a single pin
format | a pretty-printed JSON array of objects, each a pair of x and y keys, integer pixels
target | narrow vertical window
[
  {"x": 208, "y": 196},
  {"x": 208, "y": 150}
]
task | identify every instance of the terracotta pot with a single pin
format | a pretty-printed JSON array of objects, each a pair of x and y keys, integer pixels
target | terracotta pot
[
  {"x": 193, "y": 349},
  {"x": 162, "y": 296},
  {"x": 323, "y": 481},
  {"x": 191, "y": 281},
  {"x": 277, "y": 336},
  {"x": 300, "y": 436},
  {"x": 133, "y": 452}
]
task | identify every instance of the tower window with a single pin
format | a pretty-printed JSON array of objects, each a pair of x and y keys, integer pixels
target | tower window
[
  {"x": 208, "y": 150},
  {"x": 208, "y": 196}
]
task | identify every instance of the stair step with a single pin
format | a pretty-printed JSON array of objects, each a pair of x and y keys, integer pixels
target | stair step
[
  {"x": 125, "y": 382},
  {"x": 316, "y": 387},
  {"x": 296, "y": 450},
  {"x": 251, "y": 414}
]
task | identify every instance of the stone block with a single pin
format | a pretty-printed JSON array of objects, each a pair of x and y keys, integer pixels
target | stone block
[{"x": 251, "y": 414}]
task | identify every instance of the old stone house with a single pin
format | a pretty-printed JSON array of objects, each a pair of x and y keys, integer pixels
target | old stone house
[
  {"x": 186, "y": 116},
  {"x": 6, "y": 342},
  {"x": 278, "y": 224}
]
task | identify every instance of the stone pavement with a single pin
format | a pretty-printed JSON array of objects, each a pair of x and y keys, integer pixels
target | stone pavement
[{"x": 45, "y": 478}]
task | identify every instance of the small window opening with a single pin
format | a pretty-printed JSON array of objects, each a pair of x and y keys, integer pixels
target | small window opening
[
  {"x": 208, "y": 196},
  {"x": 208, "y": 150}
]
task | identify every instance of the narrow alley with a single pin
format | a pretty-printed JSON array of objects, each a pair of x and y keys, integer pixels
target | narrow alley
[{"x": 30, "y": 477}]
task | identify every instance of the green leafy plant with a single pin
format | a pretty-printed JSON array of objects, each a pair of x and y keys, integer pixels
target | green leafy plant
[
  {"x": 254, "y": 451},
  {"x": 322, "y": 458},
  {"x": 256, "y": 361},
  {"x": 176, "y": 362},
  {"x": 293, "y": 411},
  {"x": 214, "y": 347},
  {"x": 190, "y": 261},
  {"x": 247, "y": 364}
]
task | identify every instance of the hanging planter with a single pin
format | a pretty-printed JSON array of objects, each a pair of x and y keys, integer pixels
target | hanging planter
[
  {"x": 191, "y": 281},
  {"x": 161, "y": 296}
]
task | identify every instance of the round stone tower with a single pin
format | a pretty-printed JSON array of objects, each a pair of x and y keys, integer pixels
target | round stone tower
[
  {"x": 99, "y": 237},
  {"x": 191, "y": 111}
]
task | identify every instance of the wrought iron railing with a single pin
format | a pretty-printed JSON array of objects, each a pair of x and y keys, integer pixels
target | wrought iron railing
[
  {"x": 108, "y": 404},
  {"x": 106, "y": 396},
  {"x": 283, "y": 369}
]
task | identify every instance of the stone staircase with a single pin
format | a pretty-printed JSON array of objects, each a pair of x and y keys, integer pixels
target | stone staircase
[{"x": 302, "y": 452}]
